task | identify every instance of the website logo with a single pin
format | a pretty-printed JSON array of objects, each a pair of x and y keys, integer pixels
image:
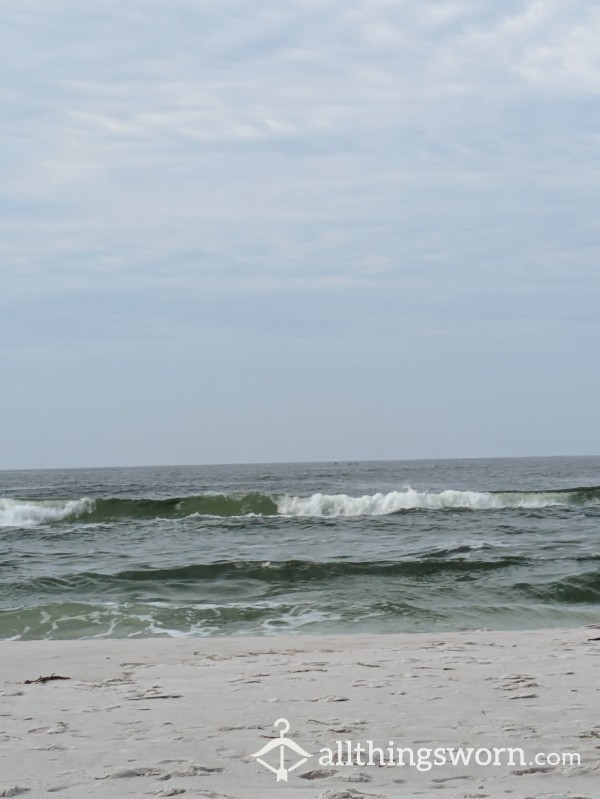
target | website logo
[{"x": 284, "y": 747}]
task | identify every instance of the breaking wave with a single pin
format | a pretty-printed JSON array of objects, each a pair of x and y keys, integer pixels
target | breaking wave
[
  {"x": 22, "y": 513},
  {"x": 28, "y": 513},
  {"x": 410, "y": 499}
]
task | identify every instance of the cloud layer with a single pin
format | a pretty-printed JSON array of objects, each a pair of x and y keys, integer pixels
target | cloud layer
[{"x": 378, "y": 181}]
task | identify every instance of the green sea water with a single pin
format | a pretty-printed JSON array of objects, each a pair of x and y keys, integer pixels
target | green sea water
[{"x": 342, "y": 547}]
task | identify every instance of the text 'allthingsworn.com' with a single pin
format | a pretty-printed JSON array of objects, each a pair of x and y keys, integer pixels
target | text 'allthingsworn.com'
[
  {"x": 366, "y": 753},
  {"x": 423, "y": 758}
]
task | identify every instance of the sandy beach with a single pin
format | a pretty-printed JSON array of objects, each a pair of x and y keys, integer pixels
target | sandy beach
[{"x": 185, "y": 716}]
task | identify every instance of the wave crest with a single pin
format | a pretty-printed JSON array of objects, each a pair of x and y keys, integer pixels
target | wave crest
[
  {"x": 29, "y": 513},
  {"x": 21, "y": 513},
  {"x": 410, "y": 499}
]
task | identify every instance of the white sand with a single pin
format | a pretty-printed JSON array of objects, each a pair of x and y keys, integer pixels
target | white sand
[{"x": 183, "y": 717}]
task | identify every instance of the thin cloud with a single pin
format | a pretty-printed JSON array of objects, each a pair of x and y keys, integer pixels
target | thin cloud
[{"x": 392, "y": 175}]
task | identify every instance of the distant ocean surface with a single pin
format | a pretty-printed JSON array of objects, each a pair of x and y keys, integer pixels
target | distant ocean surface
[{"x": 300, "y": 548}]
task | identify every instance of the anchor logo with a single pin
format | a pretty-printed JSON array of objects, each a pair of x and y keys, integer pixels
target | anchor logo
[{"x": 282, "y": 743}]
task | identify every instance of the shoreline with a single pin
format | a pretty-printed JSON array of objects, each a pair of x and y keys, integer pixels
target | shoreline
[{"x": 167, "y": 717}]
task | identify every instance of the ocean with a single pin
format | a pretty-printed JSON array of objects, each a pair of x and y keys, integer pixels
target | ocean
[{"x": 344, "y": 547}]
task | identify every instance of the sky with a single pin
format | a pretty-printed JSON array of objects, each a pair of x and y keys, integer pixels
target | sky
[{"x": 298, "y": 230}]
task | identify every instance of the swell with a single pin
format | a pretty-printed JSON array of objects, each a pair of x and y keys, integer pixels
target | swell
[
  {"x": 29, "y": 513},
  {"x": 270, "y": 572},
  {"x": 575, "y": 589},
  {"x": 281, "y": 576}
]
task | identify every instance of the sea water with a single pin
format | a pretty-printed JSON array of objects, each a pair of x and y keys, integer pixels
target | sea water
[{"x": 342, "y": 547}]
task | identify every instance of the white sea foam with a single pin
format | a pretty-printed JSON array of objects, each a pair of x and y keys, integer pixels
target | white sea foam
[
  {"x": 23, "y": 513},
  {"x": 410, "y": 499}
]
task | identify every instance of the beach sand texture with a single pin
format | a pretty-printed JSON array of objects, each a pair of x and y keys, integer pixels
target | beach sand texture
[{"x": 158, "y": 717}]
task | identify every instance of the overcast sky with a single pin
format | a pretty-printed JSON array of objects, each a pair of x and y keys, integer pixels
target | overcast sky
[{"x": 271, "y": 230}]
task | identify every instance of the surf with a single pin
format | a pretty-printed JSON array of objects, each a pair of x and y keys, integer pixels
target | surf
[{"x": 31, "y": 513}]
